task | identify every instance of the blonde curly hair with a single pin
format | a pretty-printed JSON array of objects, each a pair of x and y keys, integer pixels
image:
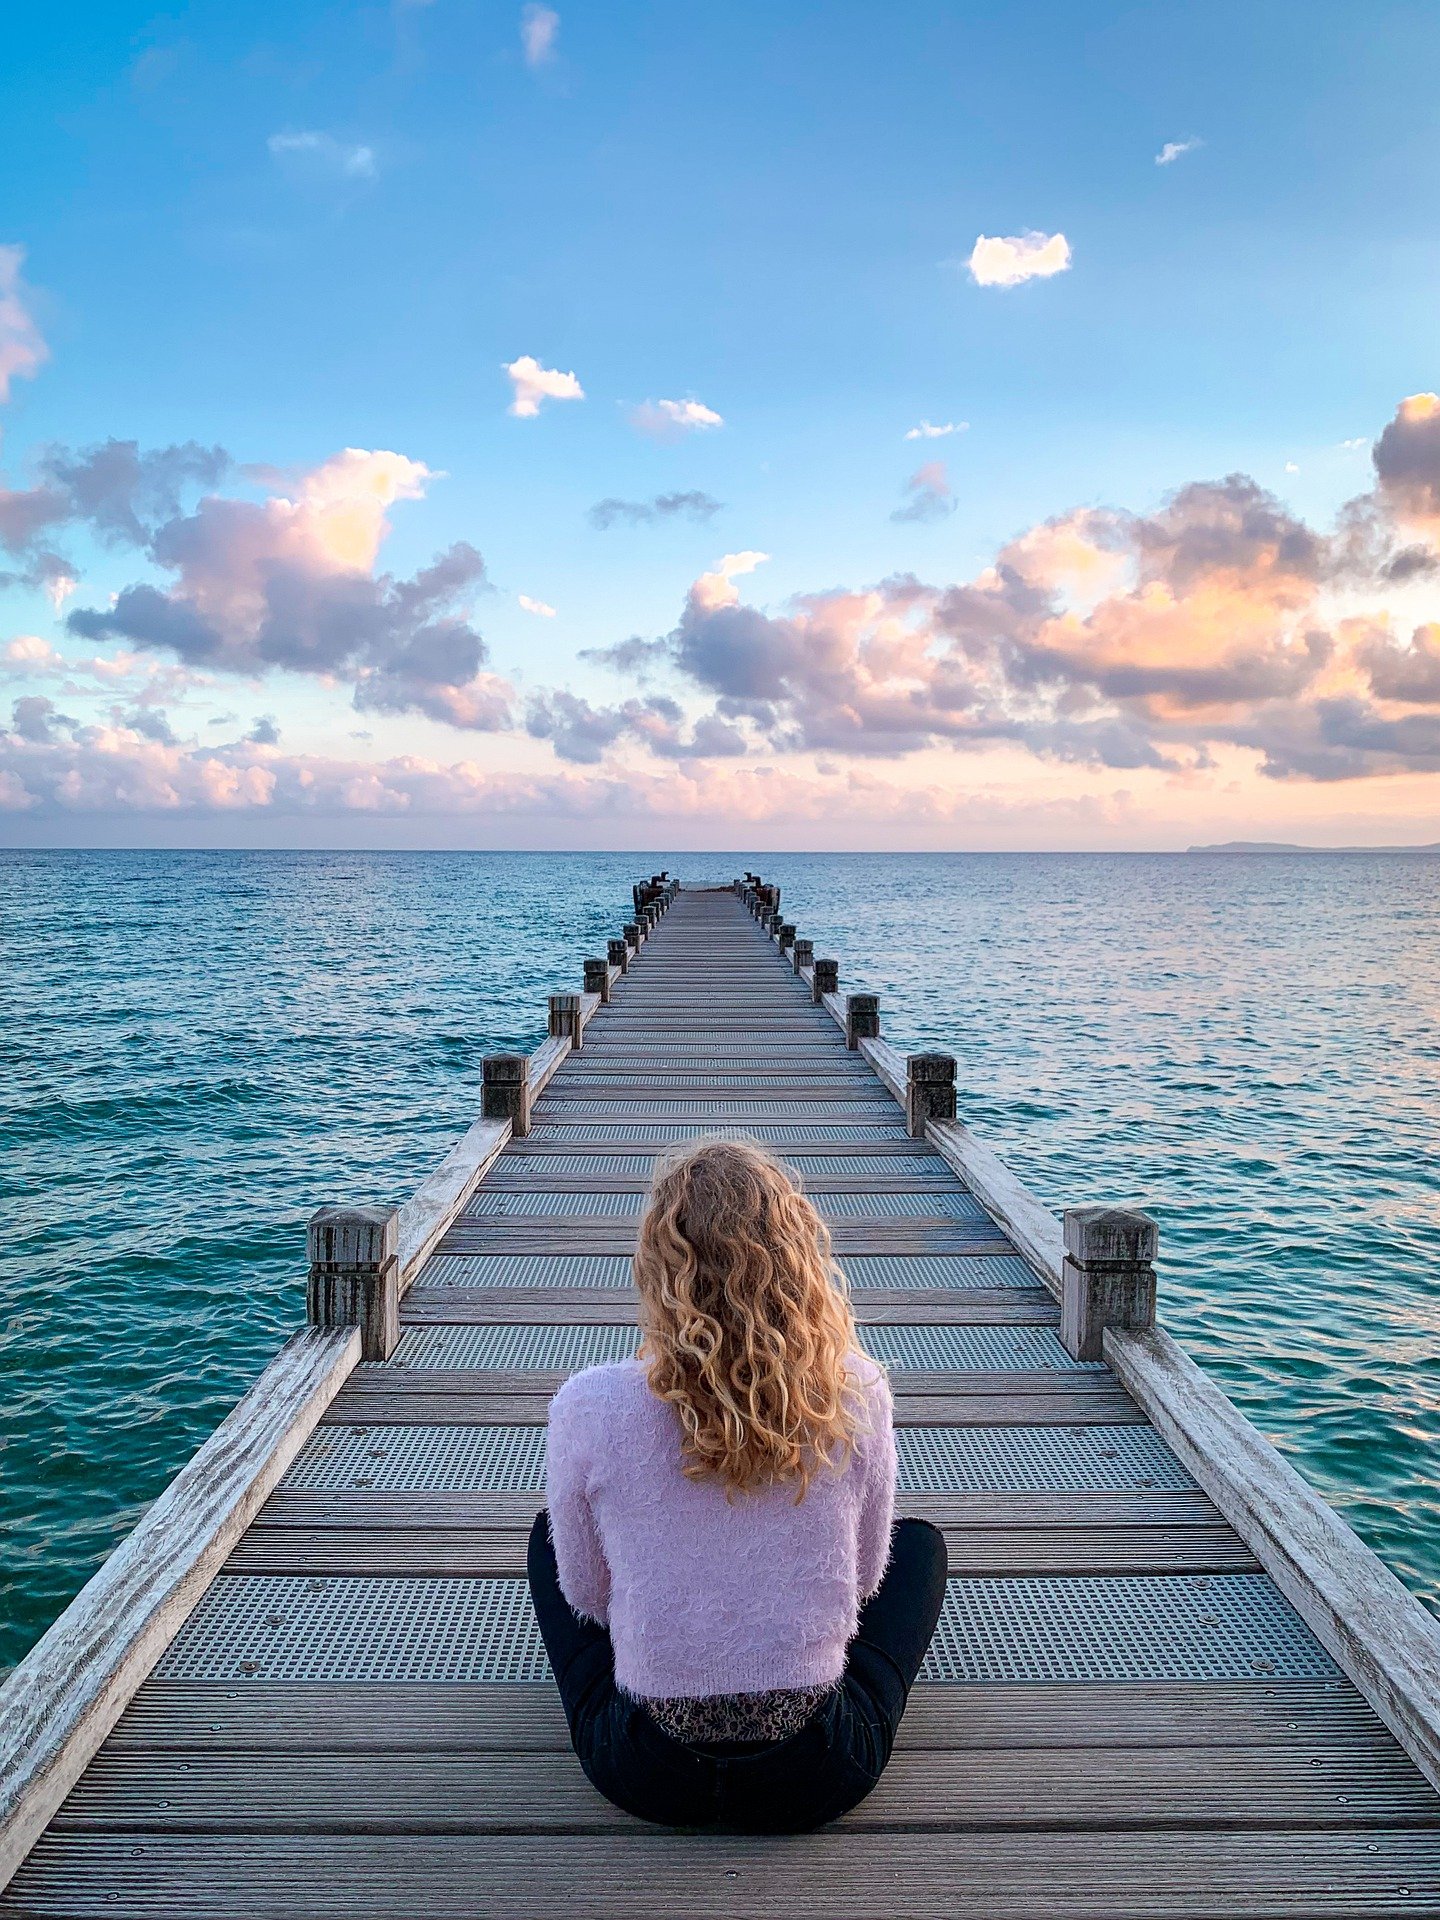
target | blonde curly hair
[{"x": 746, "y": 1319}]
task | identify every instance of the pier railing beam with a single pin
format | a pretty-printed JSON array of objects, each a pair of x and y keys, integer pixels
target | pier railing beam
[
  {"x": 862, "y": 1018},
  {"x": 597, "y": 979},
  {"x": 824, "y": 978},
  {"x": 355, "y": 1274},
  {"x": 1108, "y": 1278},
  {"x": 567, "y": 1021},
  {"x": 929, "y": 1090},
  {"x": 505, "y": 1090}
]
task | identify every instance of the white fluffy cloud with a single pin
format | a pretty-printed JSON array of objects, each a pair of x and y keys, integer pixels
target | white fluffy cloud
[
  {"x": 1004, "y": 262},
  {"x": 927, "y": 430},
  {"x": 534, "y": 383},
  {"x": 665, "y": 418},
  {"x": 22, "y": 351},
  {"x": 1172, "y": 150},
  {"x": 716, "y": 588},
  {"x": 539, "y": 30},
  {"x": 538, "y": 607},
  {"x": 323, "y": 150}
]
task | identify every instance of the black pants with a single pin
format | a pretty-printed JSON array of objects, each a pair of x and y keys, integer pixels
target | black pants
[{"x": 788, "y": 1787}]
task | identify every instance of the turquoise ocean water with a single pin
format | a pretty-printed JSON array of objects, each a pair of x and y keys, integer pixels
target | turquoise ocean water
[{"x": 197, "y": 1049}]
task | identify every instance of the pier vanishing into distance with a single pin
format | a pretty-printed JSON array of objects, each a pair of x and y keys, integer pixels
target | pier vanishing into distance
[{"x": 1168, "y": 1679}]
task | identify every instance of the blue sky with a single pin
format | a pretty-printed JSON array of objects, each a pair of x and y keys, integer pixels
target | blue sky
[{"x": 292, "y": 231}]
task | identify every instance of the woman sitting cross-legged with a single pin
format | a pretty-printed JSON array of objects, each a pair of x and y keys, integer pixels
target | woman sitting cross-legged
[{"x": 732, "y": 1620}]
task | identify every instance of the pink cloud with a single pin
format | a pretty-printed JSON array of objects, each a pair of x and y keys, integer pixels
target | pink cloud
[{"x": 22, "y": 351}]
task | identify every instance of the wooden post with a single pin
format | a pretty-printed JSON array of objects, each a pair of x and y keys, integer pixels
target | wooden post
[
  {"x": 824, "y": 979},
  {"x": 803, "y": 953},
  {"x": 355, "y": 1274},
  {"x": 619, "y": 952},
  {"x": 1108, "y": 1278},
  {"x": 505, "y": 1093},
  {"x": 862, "y": 1018},
  {"x": 565, "y": 1021},
  {"x": 597, "y": 979},
  {"x": 786, "y": 935},
  {"x": 929, "y": 1090},
  {"x": 631, "y": 930}
]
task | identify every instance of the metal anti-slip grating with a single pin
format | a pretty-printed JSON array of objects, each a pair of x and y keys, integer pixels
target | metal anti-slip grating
[
  {"x": 548, "y": 1349},
  {"x": 515, "y": 1206},
  {"x": 1215, "y": 1627},
  {"x": 489, "y": 1204},
  {"x": 493, "y": 1459},
  {"x": 514, "y": 1349},
  {"x": 970, "y": 1349},
  {"x": 1037, "y": 1459},
  {"x": 637, "y": 1166},
  {"x": 959, "y": 1270},
  {"x": 526, "y": 1270},
  {"x": 422, "y": 1459},
  {"x": 928, "y": 1206},
  {"x": 718, "y": 1113},
  {"x": 656, "y": 1134},
  {"x": 703, "y": 1082}
]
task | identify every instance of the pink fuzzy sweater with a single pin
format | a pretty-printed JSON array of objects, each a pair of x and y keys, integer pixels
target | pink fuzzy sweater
[{"x": 704, "y": 1595}]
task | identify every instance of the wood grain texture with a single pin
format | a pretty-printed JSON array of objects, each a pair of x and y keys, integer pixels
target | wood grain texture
[
  {"x": 1332, "y": 1786},
  {"x": 1373, "y": 1626},
  {"x": 639, "y": 1875},
  {"x": 60, "y": 1702},
  {"x": 590, "y": 1306},
  {"x": 427, "y": 1214},
  {"x": 1034, "y": 1229},
  {"x": 481, "y": 1716}
]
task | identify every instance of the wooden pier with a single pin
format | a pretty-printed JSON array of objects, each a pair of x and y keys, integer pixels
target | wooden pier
[{"x": 1167, "y": 1680}]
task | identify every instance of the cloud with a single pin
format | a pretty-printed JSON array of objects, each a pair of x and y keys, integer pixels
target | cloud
[
  {"x": 533, "y": 383},
  {"x": 538, "y": 607},
  {"x": 539, "y": 30},
  {"x": 667, "y": 419},
  {"x": 996, "y": 262},
  {"x": 289, "y": 582},
  {"x": 717, "y": 588},
  {"x": 346, "y": 160},
  {"x": 931, "y": 497},
  {"x": 1173, "y": 149},
  {"x": 124, "y": 494},
  {"x": 1407, "y": 459},
  {"x": 665, "y": 506},
  {"x": 22, "y": 351},
  {"x": 925, "y": 431}
]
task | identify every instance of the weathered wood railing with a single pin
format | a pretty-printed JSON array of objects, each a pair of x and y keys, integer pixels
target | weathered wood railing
[
  {"x": 1099, "y": 1264},
  {"x": 60, "y": 1702}
]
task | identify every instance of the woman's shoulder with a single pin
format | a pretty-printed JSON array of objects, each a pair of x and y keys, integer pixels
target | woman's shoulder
[
  {"x": 595, "y": 1390},
  {"x": 873, "y": 1386}
]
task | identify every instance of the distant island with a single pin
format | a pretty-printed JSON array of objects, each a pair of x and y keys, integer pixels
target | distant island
[{"x": 1286, "y": 846}]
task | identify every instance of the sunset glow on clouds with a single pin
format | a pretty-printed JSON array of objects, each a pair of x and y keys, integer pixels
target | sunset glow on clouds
[{"x": 268, "y": 506}]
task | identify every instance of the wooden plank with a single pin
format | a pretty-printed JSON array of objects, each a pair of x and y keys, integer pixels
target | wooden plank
[
  {"x": 388, "y": 1380},
  {"x": 1373, "y": 1626},
  {"x": 479, "y": 1716},
  {"x": 60, "y": 1702},
  {"x": 1024, "y": 1509},
  {"x": 431, "y": 1548},
  {"x": 590, "y": 1306},
  {"x": 429, "y": 1211},
  {"x": 639, "y": 1874},
  {"x": 528, "y": 1405},
  {"x": 1178, "y": 1788}
]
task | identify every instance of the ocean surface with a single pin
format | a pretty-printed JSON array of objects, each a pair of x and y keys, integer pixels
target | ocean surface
[{"x": 197, "y": 1049}]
